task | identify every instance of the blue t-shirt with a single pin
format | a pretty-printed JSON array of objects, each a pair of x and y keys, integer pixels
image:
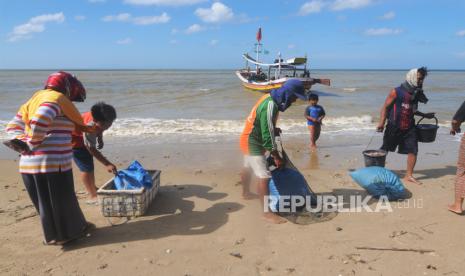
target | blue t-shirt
[{"x": 314, "y": 111}]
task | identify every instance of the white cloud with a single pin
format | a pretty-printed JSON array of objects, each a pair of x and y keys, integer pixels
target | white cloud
[
  {"x": 291, "y": 46},
  {"x": 218, "y": 12},
  {"x": 461, "y": 55},
  {"x": 173, "y": 41},
  {"x": 461, "y": 33},
  {"x": 388, "y": 15},
  {"x": 79, "y": 17},
  {"x": 314, "y": 6},
  {"x": 127, "y": 40},
  {"x": 148, "y": 20},
  {"x": 163, "y": 2},
  {"x": 340, "y": 5},
  {"x": 382, "y": 31},
  {"x": 174, "y": 31},
  {"x": 34, "y": 25},
  {"x": 214, "y": 42},
  {"x": 122, "y": 17},
  {"x": 141, "y": 20},
  {"x": 96, "y": 1},
  {"x": 195, "y": 28}
]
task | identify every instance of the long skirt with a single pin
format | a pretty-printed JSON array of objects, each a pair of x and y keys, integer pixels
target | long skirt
[
  {"x": 460, "y": 179},
  {"x": 55, "y": 200}
]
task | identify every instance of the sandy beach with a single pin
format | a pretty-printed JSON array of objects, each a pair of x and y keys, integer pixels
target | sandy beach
[
  {"x": 197, "y": 90},
  {"x": 200, "y": 225}
]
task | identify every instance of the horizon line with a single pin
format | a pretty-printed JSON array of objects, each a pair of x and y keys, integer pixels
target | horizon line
[{"x": 208, "y": 69}]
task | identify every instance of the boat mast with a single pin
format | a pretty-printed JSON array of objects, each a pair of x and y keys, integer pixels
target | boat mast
[
  {"x": 258, "y": 46},
  {"x": 305, "y": 67}
]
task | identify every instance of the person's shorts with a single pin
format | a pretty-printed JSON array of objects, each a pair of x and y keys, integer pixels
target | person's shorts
[
  {"x": 258, "y": 165},
  {"x": 310, "y": 123},
  {"x": 83, "y": 159},
  {"x": 405, "y": 140}
]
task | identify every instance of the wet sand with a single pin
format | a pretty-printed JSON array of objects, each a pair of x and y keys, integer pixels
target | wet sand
[{"x": 200, "y": 225}]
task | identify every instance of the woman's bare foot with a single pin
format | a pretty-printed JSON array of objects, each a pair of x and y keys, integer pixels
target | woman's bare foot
[
  {"x": 455, "y": 208},
  {"x": 273, "y": 218},
  {"x": 249, "y": 196},
  {"x": 411, "y": 179},
  {"x": 313, "y": 148}
]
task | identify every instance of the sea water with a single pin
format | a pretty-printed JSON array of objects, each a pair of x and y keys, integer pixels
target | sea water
[{"x": 210, "y": 106}]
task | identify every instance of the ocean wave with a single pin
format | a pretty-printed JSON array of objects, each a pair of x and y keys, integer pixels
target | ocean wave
[
  {"x": 133, "y": 127},
  {"x": 155, "y": 127}
]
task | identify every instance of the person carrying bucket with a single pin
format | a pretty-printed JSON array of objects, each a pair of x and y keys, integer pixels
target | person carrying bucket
[
  {"x": 258, "y": 137},
  {"x": 399, "y": 109}
]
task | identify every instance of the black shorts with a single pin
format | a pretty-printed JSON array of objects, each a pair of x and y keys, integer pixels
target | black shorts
[
  {"x": 83, "y": 159},
  {"x": 406, "y": 140}
]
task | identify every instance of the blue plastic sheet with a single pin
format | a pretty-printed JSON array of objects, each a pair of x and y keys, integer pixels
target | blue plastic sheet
[
  {"x": 287, "y": 182},
  {"x": 378, "y": 181},
  {"x": 132, "y": 178}
]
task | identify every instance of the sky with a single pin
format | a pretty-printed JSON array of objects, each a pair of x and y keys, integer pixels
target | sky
[{"x": 205, "y": 34}]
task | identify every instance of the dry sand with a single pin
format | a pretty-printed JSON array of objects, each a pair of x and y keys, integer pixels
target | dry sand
[{"x": 199, "y": 221}]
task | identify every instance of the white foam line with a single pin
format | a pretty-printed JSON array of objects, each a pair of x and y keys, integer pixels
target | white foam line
[{"x": 149, "y": 127}]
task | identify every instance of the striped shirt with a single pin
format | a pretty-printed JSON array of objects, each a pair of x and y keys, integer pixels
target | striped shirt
[{"x": 49, "y": 141}]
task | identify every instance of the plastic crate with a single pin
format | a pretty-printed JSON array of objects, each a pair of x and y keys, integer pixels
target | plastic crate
[{"x": 127, "y": 203}]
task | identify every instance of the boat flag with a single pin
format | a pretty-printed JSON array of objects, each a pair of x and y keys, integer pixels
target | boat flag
[{"x": 259, "y": 35}]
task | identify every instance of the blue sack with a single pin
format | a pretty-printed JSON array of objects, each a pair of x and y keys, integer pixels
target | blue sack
[
  {"x": 378, "y": 181},
  {"x": 133, "y": 178},
  {"x": 287, "y": 182}
]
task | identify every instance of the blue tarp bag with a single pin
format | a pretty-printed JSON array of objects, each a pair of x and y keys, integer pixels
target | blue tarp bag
[
  {"x": 287, "y": 182},
  {"x": 378, "y": 181},
  {"x": 133, "y": 178}
]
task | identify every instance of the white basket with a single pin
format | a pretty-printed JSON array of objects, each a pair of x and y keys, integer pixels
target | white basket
[{"x": 127, "y": 203}]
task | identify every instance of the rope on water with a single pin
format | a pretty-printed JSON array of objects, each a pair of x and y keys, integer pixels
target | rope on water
[{"x": 164, "y": 101}]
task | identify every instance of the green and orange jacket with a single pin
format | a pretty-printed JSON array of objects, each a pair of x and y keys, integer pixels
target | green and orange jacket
[{"x": 258, "y": 134}]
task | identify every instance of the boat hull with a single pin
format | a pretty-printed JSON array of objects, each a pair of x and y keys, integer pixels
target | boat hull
[{"x": 267, "y": 86}]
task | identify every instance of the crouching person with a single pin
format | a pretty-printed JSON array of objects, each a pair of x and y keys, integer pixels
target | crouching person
[{"x": 86, "y": 146}]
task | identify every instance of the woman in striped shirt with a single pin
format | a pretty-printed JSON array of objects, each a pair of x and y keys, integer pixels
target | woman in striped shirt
[{"x": 44, "y": 125}]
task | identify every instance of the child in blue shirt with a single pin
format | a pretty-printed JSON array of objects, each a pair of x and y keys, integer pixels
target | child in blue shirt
[{"x": 314, "y": 114}]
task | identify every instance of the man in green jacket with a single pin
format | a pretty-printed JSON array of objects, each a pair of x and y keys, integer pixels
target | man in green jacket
[{"x": 258, "y": 137}]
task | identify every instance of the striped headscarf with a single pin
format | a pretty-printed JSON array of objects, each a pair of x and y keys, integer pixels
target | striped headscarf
[{"x": 412, "y": 77}]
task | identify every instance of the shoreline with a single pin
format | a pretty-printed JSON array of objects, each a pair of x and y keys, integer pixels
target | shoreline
[
  {"x": 198, "y": 223},
  {"x": 334, "y": 152}
]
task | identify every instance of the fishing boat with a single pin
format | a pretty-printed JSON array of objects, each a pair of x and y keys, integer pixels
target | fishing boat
[{"x": 263, "y": 77}]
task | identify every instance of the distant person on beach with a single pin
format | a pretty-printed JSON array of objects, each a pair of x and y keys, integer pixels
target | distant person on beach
[
  {"x": 258, "y": 137},
  {"x": 399, "y": 109},
  {"x": 42, "y": 130},
  {"x": 457, "y": 121},
  {"x": 86, "y": 146},
  {"x": 314, "y": 114}
]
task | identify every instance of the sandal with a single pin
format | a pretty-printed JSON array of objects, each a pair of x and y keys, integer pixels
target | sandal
[
  {"x": 85, "y": 233},
  {"x": 52, "y": 242},
  {"x": 92, "y": 202}
]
